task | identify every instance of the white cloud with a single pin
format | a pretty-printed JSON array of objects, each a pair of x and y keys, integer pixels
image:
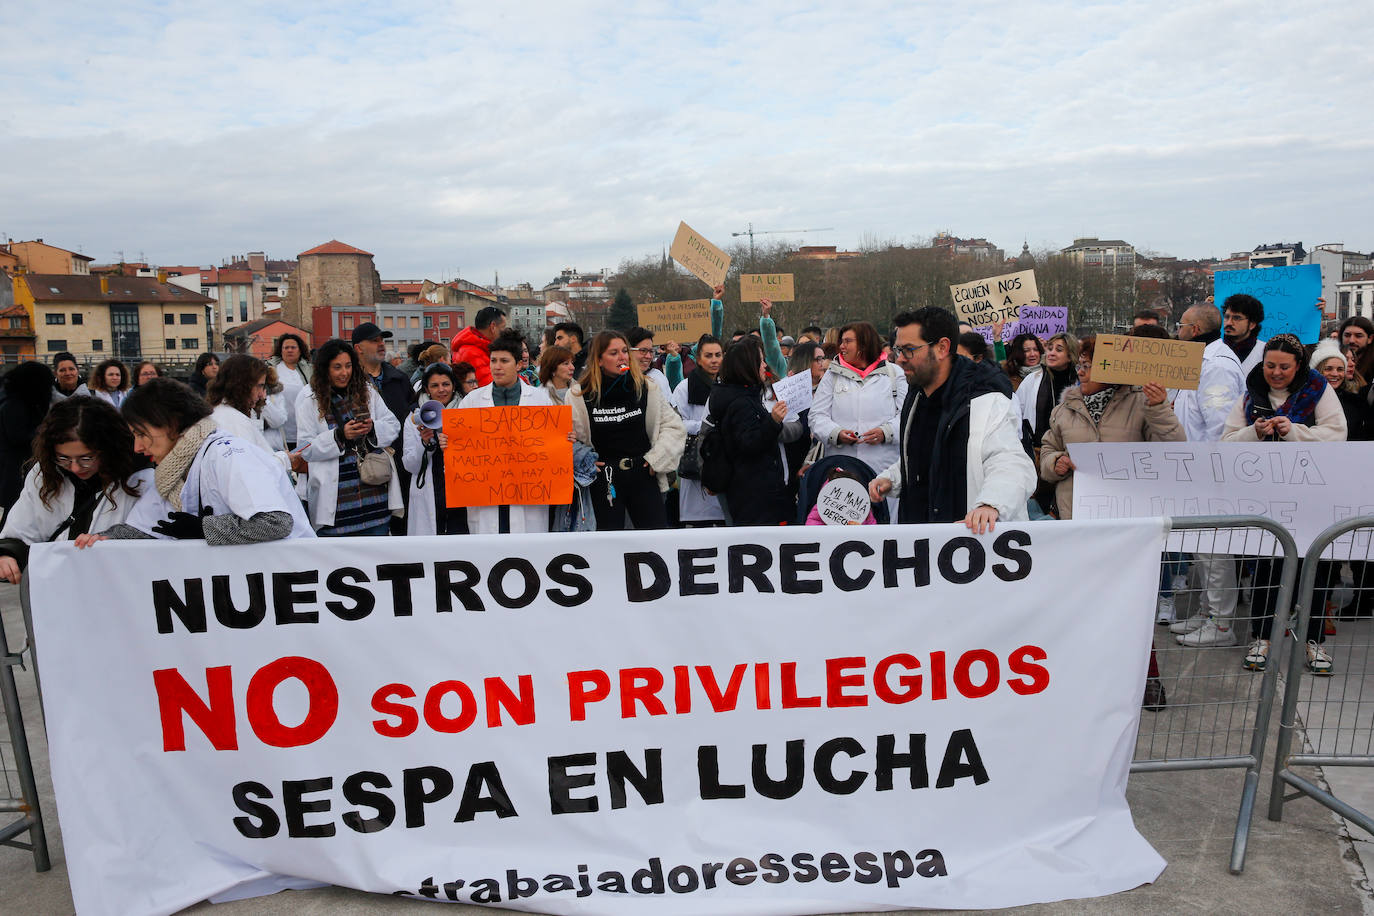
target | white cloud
[{"x": 529, "y": 137}]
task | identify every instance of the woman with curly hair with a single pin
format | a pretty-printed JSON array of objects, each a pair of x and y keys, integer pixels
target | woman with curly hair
[
  {"x": 238, "y": 394},
  {"x": 340, "y": 419},
  {"x": 109, "y": 381},
  {"x": 146, "y": 372},
  {"x": 84, "y": 478}
]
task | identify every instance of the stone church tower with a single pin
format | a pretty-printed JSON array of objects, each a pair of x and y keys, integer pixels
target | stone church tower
[{"x": 332, "y": 274}]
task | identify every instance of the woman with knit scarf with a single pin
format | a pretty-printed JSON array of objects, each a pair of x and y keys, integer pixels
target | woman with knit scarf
[
  {"x": 696, "y": 507},
  {"x": 340, "y": 420},
  {"x": 1284, "y": 401},
  {"x": 208, "y": 485}
]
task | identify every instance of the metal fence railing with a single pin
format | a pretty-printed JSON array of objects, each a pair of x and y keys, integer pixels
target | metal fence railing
[
  {"x": 1207, "y": 705},
  {"x": 20, "y": 789},
  {"x": 1327, "y": 718}
]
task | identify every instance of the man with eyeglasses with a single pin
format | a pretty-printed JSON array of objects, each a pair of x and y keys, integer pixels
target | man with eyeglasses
[
  {"x": 961, "y": 457},
  {"x": 643, "y": 350}
]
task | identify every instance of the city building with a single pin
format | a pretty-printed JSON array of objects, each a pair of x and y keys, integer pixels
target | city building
[
  {"x": 332, "y": 275},
  {"x": 1337, "y": 265},
  {"x": 978, "y": 249},
  {"x": 9, "y": 261},
  {"x": 824, "y": 253},
  {"x": 257, "y": 338},
  {"x": 528, "y": 316},
  {"x": 1101, "y": 253},
  {"x": 1355, "y": 296},
  {"x": 17, "y": 338},
  {"x": 38, "y": 257},
  {"x": 574, "y": 284},
  {"x": 128, "y": 318},
  {"x": 1278, "y": 254}
]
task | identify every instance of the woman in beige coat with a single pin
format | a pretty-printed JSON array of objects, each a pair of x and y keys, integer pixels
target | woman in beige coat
[{"x": 1094, "y": 412}]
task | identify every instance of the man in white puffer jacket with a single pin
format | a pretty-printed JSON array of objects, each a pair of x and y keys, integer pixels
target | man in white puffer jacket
[{"x": 960, "y": 457}]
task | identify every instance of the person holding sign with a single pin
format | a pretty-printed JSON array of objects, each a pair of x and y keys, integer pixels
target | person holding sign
[
  {"x": 507, "y": 390},
  {"x": 637, "y": 435},
  {"x": 1284, "y": 401},
  {"x": 857, "y": 406},
  {"x": 1094, "y": 412},
  {"x": 839, "y": 473},
  {"x": 1243, "y": 316}
]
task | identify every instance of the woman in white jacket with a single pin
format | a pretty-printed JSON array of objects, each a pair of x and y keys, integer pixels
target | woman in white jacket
[
  {"x": 857, "y": 406},
  {"x": 423, "y": 456},
  {"x": 340, "y": 419},
  {"x": 235, "y": 393},
  {"x": 84, "y": 478},
  {"x": 691, "y": 397}
]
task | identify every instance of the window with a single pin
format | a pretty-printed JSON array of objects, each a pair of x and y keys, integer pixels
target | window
[
  {"x": 97, "y": 345},
  {"x": 228, "y": 316},
  {"x": 171, "y": 343},
  {"x": 348, "y": 322},
  {"x": 188, "y": 343},
  {"x": 415, "y": 321},
  {"x": 188, "y": 319},
  {"x": 429, "y": 322},
  {"x": 16, "y": 323},
  {"x": 243, "y": 311},
  {"x": 388, "y": 322},
  {"x": 52, "y": 318},
  {"x": 205, "y": 291},
  {"x": 56, "y": 346},
  {"x": 443, "y": 321},
  {"x": 78, "y": 318},
  {"x": 169, "y": 319}
]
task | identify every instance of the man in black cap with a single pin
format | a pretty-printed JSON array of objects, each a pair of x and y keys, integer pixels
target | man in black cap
[{"x": 394, "y": 387}]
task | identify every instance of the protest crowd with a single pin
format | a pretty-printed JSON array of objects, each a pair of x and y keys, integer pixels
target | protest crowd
[{"x": 731, "y": 429}]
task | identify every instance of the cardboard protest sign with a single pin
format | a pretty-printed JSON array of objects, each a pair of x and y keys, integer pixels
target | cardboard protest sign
[
  {"x": 983, "y": 302},
  {"x": 704, "y": 260},
  {"x": 545, "y": 721},
  {"x": 777, "y": 287},
  {"x": 1304, "y": 486},
  {"x": 508, "y": 456},
  {"x": 843, "y": 502},
  {"x": 1121, "y": 359},
  {"x": 683, "y": 321},
  {"x": 1289, "y": 296},
  {"x": 795, "y": 390}
]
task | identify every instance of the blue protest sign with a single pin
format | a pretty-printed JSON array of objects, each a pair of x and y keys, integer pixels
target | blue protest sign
[{"x": 1289, "y": 295}]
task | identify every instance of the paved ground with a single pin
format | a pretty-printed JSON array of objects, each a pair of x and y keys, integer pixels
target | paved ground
[{"x": 1308, "y": 863}]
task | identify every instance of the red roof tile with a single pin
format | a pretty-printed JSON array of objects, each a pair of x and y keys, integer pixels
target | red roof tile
[
  {"x": 71, "y": 288},
  {"x": 334, "y": 246}
]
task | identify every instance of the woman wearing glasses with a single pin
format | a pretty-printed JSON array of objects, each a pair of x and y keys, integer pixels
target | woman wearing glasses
[
  {"x": 643, "y": 350},
  {"x": 84, "y": 478},
  {"x": 857, "y": 406}
]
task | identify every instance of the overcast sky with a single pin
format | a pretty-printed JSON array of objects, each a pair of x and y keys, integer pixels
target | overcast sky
[{"x": 524, "y": 138}]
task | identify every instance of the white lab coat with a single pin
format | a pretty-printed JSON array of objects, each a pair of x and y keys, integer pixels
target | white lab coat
[
  {"x": 317, "y": 443},
  {"x": 232, "y": 477},
  {"x": 523, "y": 519},
  {"x": 420, "y": 511},
  {"x": 249, "y": 429},
  {"x": 273, "y": 420},
  {"x": 694, "y": 503},
  {"x": 33, "y": 523},
  {"x": 844, "y": 401},
  {"x": 1202, "y": 413}
]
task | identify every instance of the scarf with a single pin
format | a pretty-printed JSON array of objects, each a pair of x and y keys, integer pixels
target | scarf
[
  {"x": 1096, "y": 403},
  {"x": 175, "y": 465},
  {"x": 699, "y": 387},
  {"x": 862, "y": 373},
  {"x": 1027, "y": 370},
  {"x": 1299, "y": 407}
]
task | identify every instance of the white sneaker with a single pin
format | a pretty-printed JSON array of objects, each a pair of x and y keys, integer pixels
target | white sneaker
[
  {"x": 1257, "y": 656},
  {"x": 1192, "y": 623},
  {"x": 1209, "y": 634},
  {"x": 1164, "y": 610},
  {"x": 1318, "y": 662}
]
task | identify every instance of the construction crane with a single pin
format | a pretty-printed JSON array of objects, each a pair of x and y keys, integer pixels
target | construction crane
[{"x": 751, "y": 233}]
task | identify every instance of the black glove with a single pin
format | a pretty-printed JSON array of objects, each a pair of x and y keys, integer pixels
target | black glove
[{"x": 183, "y": 525}]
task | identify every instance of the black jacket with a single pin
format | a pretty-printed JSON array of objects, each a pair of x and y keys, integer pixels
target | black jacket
[
  {"x": 757, "y": 494},
  {"x": 398, "y": 394},
  {"x": 948, "y": 471}
]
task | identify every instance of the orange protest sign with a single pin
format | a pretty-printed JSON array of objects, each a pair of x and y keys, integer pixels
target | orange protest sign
[{"x": 516, "y": 456}]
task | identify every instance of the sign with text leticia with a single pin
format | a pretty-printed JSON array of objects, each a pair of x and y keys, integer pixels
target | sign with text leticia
[
  {"x": 683, "y": 321},
  {"x": 508, "y": 456},
  {"x": 776, "y": 287},
  {"x": 983, "y": 303},
  {"x": 704, "y": 260},
  {"x": 604, "y": 723},
  {"x": 1120, "y": 359}
]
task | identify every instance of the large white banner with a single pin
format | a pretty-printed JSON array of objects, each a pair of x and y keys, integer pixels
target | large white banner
[
  {"x": 764, "y": 721},
  {"x": 1304, "y": 486}
]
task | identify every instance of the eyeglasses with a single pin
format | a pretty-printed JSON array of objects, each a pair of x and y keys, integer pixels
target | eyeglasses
[
  {"x": 910, "y": 350},
  {"x": 85, "y": 462},
  {"x": 645, "y": 351}
]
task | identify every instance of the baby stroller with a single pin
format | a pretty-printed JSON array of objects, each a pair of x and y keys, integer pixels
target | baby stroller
[{"x": 814, "y": 479}]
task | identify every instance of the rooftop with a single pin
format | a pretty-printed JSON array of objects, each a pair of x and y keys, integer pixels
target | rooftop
[
  {"x": 334, "y": 246},
  {"x": 71, "y": 288}
]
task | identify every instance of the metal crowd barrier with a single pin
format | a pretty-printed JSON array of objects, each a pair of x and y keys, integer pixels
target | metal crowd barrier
[
  {"x": 1328, "y": 720},
  {"x": 21, "y": 791},
  {"x": 1215, "y": 713}
]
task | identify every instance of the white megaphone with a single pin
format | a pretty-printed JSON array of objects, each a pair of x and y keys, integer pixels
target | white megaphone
[{"x": 430, "y": 414}]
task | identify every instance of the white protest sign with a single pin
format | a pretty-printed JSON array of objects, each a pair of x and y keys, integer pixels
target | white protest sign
[
  {"x": 1304, "y": 486},
  {"x": 796, "y": 391},
  {"x": 843, "y": 502},
  {"x": 984, "y": 302},
  {"x": 570, "y": 723}
]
